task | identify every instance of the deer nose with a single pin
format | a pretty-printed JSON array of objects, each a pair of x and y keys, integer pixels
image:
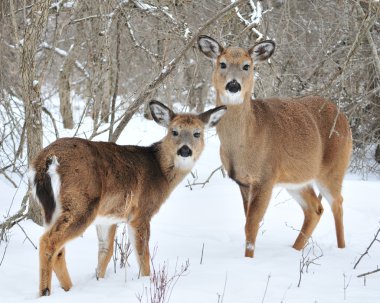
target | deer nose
[
  {"x": 184, "y": 151},
  {"x": 233, "y": 86}
]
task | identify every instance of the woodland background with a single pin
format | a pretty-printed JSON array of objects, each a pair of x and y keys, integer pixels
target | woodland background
[{"x": 106, "y": 59}]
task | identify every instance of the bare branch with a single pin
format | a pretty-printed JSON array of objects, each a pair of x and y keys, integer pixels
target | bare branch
[
  {"x": 369, "y": 273},
  {"x": 368, "y": 248},
  {"x": 147, "y": 90},
  {"x": 63, "y": 53},
  {"x": 16, "y": 218},
  {"x": 26, "y": 235},
  {"x": 207, "y": 180},
  {"x": 266, "y": 289},
  {"x": 46, "y": 111},
  {"x": 310, "y": 254}
]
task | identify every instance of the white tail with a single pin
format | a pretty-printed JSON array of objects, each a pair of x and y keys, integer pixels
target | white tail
[
  {"x": 77, "y": 181},
  {"x": 294, "y": 143}
]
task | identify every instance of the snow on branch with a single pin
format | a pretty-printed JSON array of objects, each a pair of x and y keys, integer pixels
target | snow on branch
[
  {"x": 255, "y": 19},
  {"x": 64, "y": 53},
  {"x": 145, "y": 7},
  {"x": 164, "y": 11},
  {"x": 109, "y": 16},
  {"x": 147, "y": 90}
]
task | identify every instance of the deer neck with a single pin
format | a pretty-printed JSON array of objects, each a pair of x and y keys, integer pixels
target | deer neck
[
  {"x": 172, "y": 174},
  {"x": 234, "y": 122}
]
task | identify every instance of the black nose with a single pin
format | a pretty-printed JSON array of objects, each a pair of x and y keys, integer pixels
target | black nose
[
  {"x": 184, "y": 151},
  {"x": 233, "y": 86}
]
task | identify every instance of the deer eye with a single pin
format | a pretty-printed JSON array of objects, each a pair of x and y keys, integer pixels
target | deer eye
[
  {"x": 197, "y": 135},
  {"x": 174, "y": 133},
  {"x": 223, "y": 65},
  {"x": 246, "y": 67}
]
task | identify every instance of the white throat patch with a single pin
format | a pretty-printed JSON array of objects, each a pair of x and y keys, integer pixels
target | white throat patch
[
  {"x": 232, "y": 98},
  {"x": 184, "y": 163}
]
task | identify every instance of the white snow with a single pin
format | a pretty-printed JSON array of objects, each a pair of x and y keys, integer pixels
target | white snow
[{"x": 212, "y": 216}]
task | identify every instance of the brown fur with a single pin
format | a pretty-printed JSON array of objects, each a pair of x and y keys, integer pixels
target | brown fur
[
  {"x": 127, "y": 183},
  {"x": 265, "y": 142}
]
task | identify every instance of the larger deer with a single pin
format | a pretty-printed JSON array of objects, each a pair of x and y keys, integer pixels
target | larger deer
[
  {"x": 294, "y": 143},
  {"x": 77, "y": 181}
]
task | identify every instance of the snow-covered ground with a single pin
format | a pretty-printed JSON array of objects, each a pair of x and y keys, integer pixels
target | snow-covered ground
[{"x": 211, "y": 216}]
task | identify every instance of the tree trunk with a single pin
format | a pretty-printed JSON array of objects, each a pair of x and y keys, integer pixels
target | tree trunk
[
  {"x": 31, "y": 89},
  {"x": 64, "y": 92}
]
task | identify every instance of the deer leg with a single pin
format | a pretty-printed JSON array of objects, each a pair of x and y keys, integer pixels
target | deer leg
[
  {"x": 106, "y": 236},
  {"x": 332, "y": 193},
  {"x": 313, "y": 210},
  {"x": 258, "y": 203},
  {"x": 244, "y": 190},
  {"x": 66, "y": 227},
  {"x": 337, "y": 209},
  {"x": 61, "y": 271},
  {"x": 51, "y": 243},
  {"x": 139, "y": 233}
]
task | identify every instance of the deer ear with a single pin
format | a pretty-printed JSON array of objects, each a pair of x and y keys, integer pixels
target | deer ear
[
  {"x": 262, "y": 51},
  {"x": 210, "y": 47},
  {"x": 160, "y": 113},
  {"x": 211, "y": 117}
]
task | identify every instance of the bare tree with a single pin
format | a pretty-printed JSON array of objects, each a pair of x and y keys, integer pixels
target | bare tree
[
  {"x": 111, "y": 56},
  {"x": 31, "y": 87}
]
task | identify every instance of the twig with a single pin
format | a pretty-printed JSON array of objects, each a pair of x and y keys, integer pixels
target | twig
[
  {"x": 286, "y": 291},
  {"x": 137, "y": 44},
  {"x": 46, "y": 111},
  {"x": 206, "y": 181},
  {"x": 368, "y": 248},
  {"x": 23, "y": 230},
  {"x": 8, "y": 178},
  {"x": 203, "y": 247},
  {"x": 372, "y": 44},
  {"x": 165, "y": 72},
  {"x": 365, "y": 26},
  {"x": 309, "y": 256},
  {"x": 345, "y": 286},
  {"x": 369, "y": 273},
  {"x": 161, "y": 284},
  {"x": 266, "y": 288},
  {"x": 221, "y": 297},
  {"x": 64, "y": 54},
  {"x": 19, "y": 216},
  {"x": 5, "y": 251}
]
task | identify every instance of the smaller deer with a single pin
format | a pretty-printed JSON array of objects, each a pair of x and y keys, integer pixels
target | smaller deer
[
  {"x": 78, "y": 181},
  {"x": 293, "y": 143}
]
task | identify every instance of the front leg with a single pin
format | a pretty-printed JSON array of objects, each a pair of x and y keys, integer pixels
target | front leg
[
  {"x": 259, "y": 196},
  {"x": 244, "y": 190},
  {"x": 139, "y": 233}
]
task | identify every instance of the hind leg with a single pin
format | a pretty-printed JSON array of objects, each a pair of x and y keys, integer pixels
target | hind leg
[
  {"x": 332, "y": 193},
  {"x": 69, "y": 225},
  {"x": 337, "y": 210},
  {"x": 61, "y": 271},
  {"x": 106, "y": 236},
  {"x": 51, "y": 244},
  {"x": 312, "y": 209}
]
